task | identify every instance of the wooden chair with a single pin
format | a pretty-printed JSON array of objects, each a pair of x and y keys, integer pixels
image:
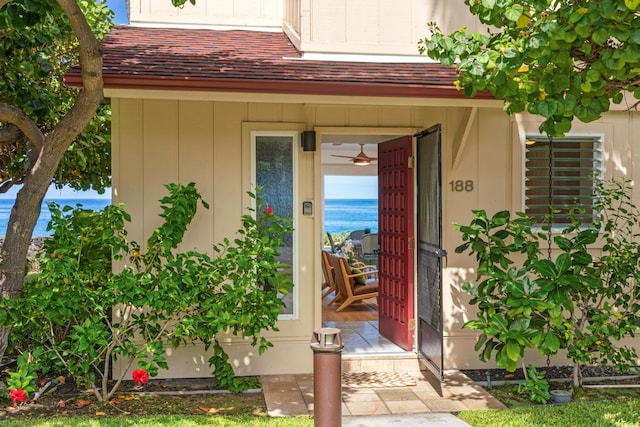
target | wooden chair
[
  {"x": 347, "y": 289},
  {"x": 355, "y": 235},
  {"x": 329, "y": 284},
  {"x": 370, "y": 248},
  {"x": 332, "y": 243}
]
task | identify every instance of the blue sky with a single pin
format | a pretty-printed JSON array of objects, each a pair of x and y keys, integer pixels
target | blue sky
[
  {"x": 120, "y": 9},
  {"x": 350, "y": 187}
]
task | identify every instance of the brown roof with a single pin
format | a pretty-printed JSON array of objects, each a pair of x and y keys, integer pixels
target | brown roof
[{"x": 251, "y": 61}]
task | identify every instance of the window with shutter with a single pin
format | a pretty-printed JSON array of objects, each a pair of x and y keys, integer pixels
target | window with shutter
[{"x": 561, "y": 173}]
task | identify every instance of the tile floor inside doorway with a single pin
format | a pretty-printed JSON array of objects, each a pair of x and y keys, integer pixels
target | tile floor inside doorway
[{"x": 363, "y": 337}]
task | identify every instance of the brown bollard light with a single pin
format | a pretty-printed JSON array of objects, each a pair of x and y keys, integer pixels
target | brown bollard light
[{"x": 327, "y": 346}]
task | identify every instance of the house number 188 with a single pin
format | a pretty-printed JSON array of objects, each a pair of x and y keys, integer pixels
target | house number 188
[{"x": 459, "y": 185}]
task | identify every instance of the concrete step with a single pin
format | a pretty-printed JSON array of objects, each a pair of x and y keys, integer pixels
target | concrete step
[{"x": 400, "y": 362}]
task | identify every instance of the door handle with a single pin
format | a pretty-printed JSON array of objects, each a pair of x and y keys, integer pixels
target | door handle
[{"x": 442, "y": 253}]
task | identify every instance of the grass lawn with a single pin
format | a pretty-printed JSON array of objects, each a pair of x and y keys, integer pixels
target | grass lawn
[
  {"x": 590, "y": 407},
  {"x": 623, "y": 413},
  {"x": 81, "y": 410},
  {"x": 164, "y": 421}
]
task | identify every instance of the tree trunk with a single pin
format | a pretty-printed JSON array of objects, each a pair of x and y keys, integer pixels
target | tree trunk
[
  {"x": 4, "y": 338},
  {"x": 22, "y": 221},
  {"x": 577, "y": 376},
  {"x": 44, "y": 159}
]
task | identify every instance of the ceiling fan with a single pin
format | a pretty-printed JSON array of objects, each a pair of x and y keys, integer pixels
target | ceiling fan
[{"x": 360, "y": 159}]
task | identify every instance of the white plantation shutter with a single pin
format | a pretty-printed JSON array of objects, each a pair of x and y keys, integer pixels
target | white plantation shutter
[{"x": 576, "y": 162}]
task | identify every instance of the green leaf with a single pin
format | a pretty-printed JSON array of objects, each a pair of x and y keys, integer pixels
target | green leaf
[
  {"x": 600, "y": 36},
  {"x": 489, "y": 4},
  {"x": 513, "y": 350},
  {"x": 632, "y": 4},
  {"x": 545, "y": 268},
  {"x": 586, "y": 237},
  {"x": 501, "y": 218},
  {"x": 563, "y": 263},
  {"x": 482, "y": 339},
  {"x": 488, "y": 349},
  {"x": 582, "y": 258},
  {"x": 563, "y": 243},
  {"x": 482, "y": 57},
  {"x": 514, "y": 12},
  {"x": 547, "y": 108},
  {"x": 520, "y": 325},
  {"x": 552, "y": 342}
]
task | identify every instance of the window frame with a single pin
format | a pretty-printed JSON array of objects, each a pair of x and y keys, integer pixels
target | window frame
[
  {"x": 294, "y": 135},
  {"x": 597, "y": 159}
]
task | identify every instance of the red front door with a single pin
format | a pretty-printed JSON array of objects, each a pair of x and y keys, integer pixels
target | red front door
[{"x": 395, "y": 233}]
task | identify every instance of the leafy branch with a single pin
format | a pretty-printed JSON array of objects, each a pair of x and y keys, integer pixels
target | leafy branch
[
  {"x": 585, "y": 301},
  {"x": 162, "y": 297}
]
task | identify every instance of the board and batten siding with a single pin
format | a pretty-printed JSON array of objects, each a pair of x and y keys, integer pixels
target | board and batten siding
[
  {"x": 241, "y": 13},
  {"x": 493, "y": 159},
  {"x": 370, "y": 27},
  {"x": 156, "y": 141}
]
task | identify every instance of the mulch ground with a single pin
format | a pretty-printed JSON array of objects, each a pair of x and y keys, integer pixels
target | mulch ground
[
  {"x": 157, "y": 397},
  {"x": 551, "y": 373}
]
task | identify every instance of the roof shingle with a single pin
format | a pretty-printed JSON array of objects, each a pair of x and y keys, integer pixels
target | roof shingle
[{"x": 240, "y": 60}]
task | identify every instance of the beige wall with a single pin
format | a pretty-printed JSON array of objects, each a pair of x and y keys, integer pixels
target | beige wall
[
  {"x": 493, "y": 159},
  {"x": 160, "y": 141},
  {"x": 380, "y": 27},
  {"x": 243, "y": 13},
  {"x": 156, "y": 141}
]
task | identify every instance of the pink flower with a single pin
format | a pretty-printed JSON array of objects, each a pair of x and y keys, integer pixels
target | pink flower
[
  {"x": 268, "y": 210},
  {"x": 18, "y": 395},
  {"x": 140, "y": 376}
]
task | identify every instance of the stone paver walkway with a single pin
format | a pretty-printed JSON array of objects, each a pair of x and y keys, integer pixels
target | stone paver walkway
[{"x": 292, "y": 395}]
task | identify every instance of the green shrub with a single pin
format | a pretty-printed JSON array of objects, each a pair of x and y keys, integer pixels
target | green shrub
[
  {"x": 584, "y": 301},
  {"x": 84, "y": 316},
  {"x": 535, "y": 386}
]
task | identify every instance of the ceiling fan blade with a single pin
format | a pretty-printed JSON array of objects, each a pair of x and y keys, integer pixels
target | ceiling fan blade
[{"x": 360, "y": 157}]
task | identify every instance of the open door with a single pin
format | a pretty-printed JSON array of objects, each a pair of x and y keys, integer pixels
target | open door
[
  {"x": 430, "y": 252},
  {"x": 395, "y": 233}
]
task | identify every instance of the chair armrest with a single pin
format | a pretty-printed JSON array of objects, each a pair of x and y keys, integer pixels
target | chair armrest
[
  {"x": 364, "y": 273},
  {"x": 362, "y": 266}
]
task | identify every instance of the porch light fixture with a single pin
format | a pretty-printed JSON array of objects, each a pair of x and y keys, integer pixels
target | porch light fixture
[
  {"x": 308, "y": 140},
  {"x": 327, "y": 339}
]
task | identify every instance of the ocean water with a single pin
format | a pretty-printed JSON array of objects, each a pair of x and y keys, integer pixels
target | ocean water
[
  {"x": 339, "y": 214},
  {"x": 350, "y": 214},
  {"x": 45, "y": 215}
]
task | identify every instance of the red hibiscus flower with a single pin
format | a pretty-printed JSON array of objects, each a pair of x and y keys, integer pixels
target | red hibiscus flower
[
  {"x": 18, "y": 395},
  {"x": 140, "y": 376},
  {"x": 268, "y": 210}
]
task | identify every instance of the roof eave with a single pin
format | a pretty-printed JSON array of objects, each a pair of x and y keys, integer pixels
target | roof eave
[{"x": 308, "y": 87}]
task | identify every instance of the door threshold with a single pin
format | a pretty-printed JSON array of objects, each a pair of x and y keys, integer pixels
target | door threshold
[
  {"x": 379, "y": 355},
  {"x": 382, "y": 362}
]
